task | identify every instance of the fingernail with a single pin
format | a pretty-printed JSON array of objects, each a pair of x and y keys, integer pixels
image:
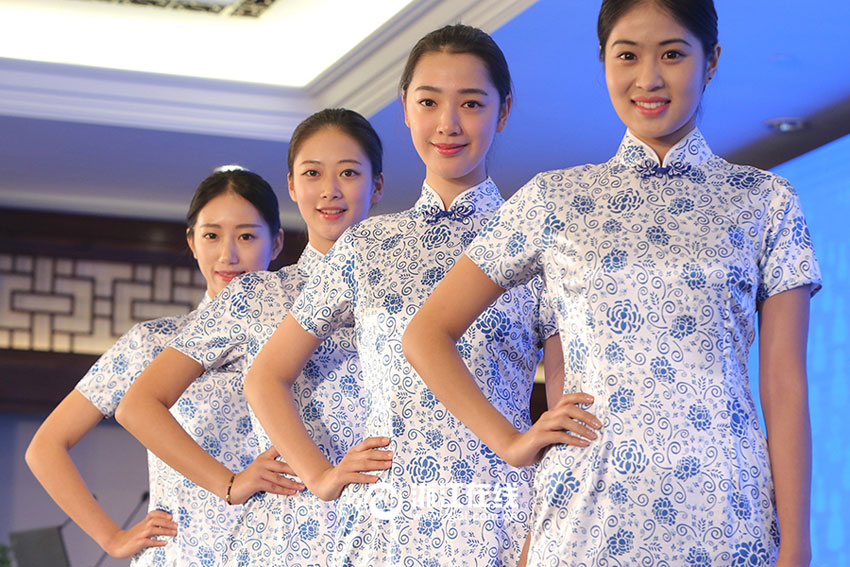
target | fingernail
[{"x": 584, "y": 442}]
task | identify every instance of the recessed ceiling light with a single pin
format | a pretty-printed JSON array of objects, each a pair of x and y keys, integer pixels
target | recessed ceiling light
[{"x": 785, "y": 125}]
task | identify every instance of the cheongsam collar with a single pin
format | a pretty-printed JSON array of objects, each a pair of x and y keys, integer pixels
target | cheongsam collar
[
  {"x": 205, "y": 300},
  {"x": 309, "y": 259},
  {"x": 480, "y": 198},
  {"x": 690, "y": 151}
]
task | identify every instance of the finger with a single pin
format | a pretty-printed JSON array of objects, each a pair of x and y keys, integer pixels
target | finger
[
  {"x": 360, "y": 478},
  {"x": 559, "y": 437},
  {"x": 372, "y": 443},
  {"x": 270, "y": 453},
  {"x": 161, "y": 532},
  {"x": 158, "y": 515},
  {"x": 154, "y": 542},
  {"x": 284, "y": 482},
  {"x": 278, "y": 467},
  {"x": 571, "y": 412},
  {"x": 575, "y": 398}
]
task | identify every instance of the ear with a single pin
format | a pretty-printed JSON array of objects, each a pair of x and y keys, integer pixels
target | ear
[
  {"x": 378, "y": 191},
  {"x": 191, "y": 242},
  {"x": 291, "y": 187},
  {"x": 404, "y": 108},
  {"x": 504, "y": 112},
  {"x": 277, "y": 244},
  {"x": 711, "y": 68}
]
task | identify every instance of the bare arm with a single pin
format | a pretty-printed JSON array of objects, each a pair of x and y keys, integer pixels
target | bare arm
[
  {"x": 268, "y": 387},
  {"x": 430, "y": 346},
  {"x": 783, "y": 332},
  {"x": 50, "y": 462},
  {"x": 553, "y": 370},
  {"x": 144, "y": 413}
]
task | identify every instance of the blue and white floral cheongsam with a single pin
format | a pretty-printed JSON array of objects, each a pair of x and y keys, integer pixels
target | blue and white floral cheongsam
[
  {"x": 277, "y": 530},
  {"x": 660, "y": 269},
  {"x": 105, "y": 384},
  {"x": 448, "y": 500}
]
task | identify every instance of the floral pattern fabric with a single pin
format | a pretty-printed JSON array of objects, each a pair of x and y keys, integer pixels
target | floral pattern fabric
[
  {"x": 105, "y": 384},
  {"x": 448, "y": 500},
  {"x": 658, "y": 271},
  {"x": 275, "y": 530}
]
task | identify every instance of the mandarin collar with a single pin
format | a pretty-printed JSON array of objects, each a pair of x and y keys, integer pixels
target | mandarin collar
[
  {"x": 309, "y": 259},
  {"x": 483, "y": 197},
  {"x": 690, "y": 151}
]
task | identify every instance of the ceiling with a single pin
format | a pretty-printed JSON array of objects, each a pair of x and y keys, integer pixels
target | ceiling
[{"x": 80, "y": 138}]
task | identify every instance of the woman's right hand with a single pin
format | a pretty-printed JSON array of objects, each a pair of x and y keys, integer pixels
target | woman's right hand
[
  {"x": 125, "y": 543},
  {"x": 264, "y": 475},
  {"x": 363, "y": 457},
  {"x": 525, "y": 449}
]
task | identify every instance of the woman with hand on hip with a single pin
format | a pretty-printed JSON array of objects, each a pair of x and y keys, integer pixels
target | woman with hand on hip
[
  {"x": 662, "y": 259},
  {"x": 447, "y": 499},
  {"x": 154, "y": 540},
  {"x": 335, "y": 175}
]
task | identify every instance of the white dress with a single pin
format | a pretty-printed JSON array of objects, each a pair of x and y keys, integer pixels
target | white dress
[
  {"x": 448, "y": 500},
  {"x": 659, "y": 269},
  {"x": 105, "y": 384},
  {"x": 277, "y": 530}
]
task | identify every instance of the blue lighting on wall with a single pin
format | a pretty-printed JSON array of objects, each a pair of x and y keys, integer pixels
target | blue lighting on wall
[{"x": 822, "y": 179}]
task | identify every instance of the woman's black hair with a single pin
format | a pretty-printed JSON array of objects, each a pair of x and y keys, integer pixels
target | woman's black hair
[
  {"x": 460, "y": 38},
  {"x": 242, "y": 182},
  {"x": 698, "y": 16},
  {"x": 348, "y": 122}
]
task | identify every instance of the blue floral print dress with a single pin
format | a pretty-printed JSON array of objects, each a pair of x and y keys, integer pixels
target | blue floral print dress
[
  {"x": 277, "y": 530},
  {"x": 448, "y": 500},
  {"x": 105, "y": 384},
  {"x": 659, "y": 270}
]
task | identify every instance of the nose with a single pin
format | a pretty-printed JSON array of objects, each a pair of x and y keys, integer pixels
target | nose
[
  {"x": 449, "y": 124},
  {"x": 649, "y": 75},
  {"x": 228, "y": 254},
  {"x": 330, "y": 188}
]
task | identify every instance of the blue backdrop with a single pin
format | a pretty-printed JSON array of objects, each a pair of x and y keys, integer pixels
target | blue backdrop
[{"x": 822, "y": 179}]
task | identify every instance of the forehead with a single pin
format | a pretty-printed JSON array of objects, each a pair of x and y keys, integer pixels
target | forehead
[
  {"x": 649, "y": 23},
  {"x": 459, "y": 70},
  {"x": 227, "y": 207},
  {"x": 329, "y": 142}
]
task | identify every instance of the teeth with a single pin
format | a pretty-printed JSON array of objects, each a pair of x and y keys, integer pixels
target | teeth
[
  {"x": 649, "y": 105},
  {"x": 331, "y": 211}
]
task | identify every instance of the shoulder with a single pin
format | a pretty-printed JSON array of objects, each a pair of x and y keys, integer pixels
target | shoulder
[
  {"x": 160, "y": 330},
  {"x": 750, "y": 179}
]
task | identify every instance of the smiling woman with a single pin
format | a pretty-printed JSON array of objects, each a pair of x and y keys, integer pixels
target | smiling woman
[{"x": 660, "y": 261}]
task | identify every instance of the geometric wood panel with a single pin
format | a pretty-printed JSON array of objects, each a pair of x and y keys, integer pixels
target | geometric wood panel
[{"x": 83, "y": 306}]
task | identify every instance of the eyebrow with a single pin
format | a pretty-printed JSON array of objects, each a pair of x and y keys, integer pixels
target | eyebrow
[
  {"x": 665, "y": 42},
  {"x": 469, "y": 90},
  {"x": 350, "y": 160},
  {"x": 216, "y": 225}
]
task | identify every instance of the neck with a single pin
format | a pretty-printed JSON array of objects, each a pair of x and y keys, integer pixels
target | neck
[
  {"x": 449, "y": 189},
  {"x": 319, "y": 243}
]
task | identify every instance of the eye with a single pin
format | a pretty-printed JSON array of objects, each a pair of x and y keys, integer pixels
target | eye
[
  {"x": 350, "y": 173},
  {"x": 672, "y": 54},
  {"x": 472, "y": 104},
  {"x": 209, "y": 236},
  {"x": 626, "y": 56},
  {"x": 427, "y": 102},
  {"x": 310, "y": 173},
  {"x": 247, "y": 236}
]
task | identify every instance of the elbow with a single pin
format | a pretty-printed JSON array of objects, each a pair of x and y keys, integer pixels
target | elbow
[
  {"x": 125, "y": 411},
  {"x": 31, "y": 457},
  {"x": 250, "y": 388},
  {"x": 410, "y": 341}
]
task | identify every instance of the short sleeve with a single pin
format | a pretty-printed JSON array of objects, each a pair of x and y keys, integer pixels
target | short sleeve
[
  {"x": 106, "y": 382},
  {"x": 327, "y": 301},
  {"x": 221, "y": 331},
  {"x": 510, "y": 247},
  {"x": 787, "y": 258},
  {"x": 547, "y": 322}
]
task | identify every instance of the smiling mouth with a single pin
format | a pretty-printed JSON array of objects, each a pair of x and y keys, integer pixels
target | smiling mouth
[
  {"x": 227, "y": 276},
  {"x": 331, "y": 213},
  {"x": 449, "y": 149},
  {"x": 651, "y": 107}
]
